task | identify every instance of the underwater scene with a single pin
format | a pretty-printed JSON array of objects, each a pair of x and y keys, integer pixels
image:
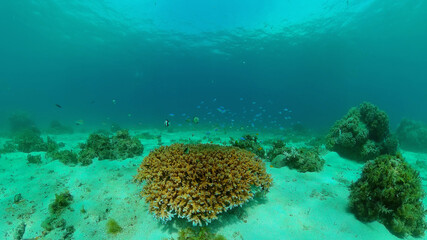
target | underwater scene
[{"x": 213, "y": 120}]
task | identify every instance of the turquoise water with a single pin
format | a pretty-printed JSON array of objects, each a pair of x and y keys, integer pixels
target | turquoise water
[
  {"x": 276, "y": 69},
  {"x": 317, "y": 58}
]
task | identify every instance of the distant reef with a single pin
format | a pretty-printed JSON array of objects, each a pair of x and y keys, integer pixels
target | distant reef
[{"x": 412, "y": 135}]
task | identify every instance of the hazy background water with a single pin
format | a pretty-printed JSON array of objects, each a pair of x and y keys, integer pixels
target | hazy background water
[{"x": 317, "y": 58}]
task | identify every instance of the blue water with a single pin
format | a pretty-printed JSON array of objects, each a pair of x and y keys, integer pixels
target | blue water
[{"x": 317, "y": 58}]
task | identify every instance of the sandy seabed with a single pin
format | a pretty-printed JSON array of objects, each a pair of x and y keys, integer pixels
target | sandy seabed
[{"x": 298, "y": 206}]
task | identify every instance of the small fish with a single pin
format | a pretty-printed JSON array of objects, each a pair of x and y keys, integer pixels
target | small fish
[
  {"x": 171, "y": 114},
  {"x": 79, "y": 122},
  {"x": 195, "y": 120},
  {"x": 242, "y": 138},
  {"x": 221, "y": 109},
  {"x": 114, "y": 101},
  {"x": 57, "y": 105},
  {"x": 167, "y": 123}
]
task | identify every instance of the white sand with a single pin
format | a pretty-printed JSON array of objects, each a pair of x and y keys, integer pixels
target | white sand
[{"x": 298, "y": 206}]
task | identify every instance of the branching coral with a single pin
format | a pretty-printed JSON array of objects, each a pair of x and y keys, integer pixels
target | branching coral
[{"x": 198, "y": 182}]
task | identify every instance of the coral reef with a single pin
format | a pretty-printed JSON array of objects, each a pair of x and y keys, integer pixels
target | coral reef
[
  {"x": 29, "y": 141},
  {"x": 249, "y": 143},
  {"x": 301, "y": 159},
  {"x": 97, "y": 145},
  {"x": 20, "y": 121},
  {"x": 362, "y": 134},
  {"x": 113, "y": 227},
  {"x": 198, "y": 182},
  {"x": 34, "y": 159},
  {"x": 120, "y": 146},
  {"x": 53, "y": 146},
  {"x": 124, "y": 146},
  {"x": 8, "y": 147},
  {"x": 412, "y": 135},
  {"x": 67, "y": 157},
  {"x": 278, "y": 147},
  {"x": 390, "y": 191}
]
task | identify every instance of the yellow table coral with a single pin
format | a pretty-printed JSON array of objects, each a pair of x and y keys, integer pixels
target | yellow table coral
[{"x": 198, "y": 182}]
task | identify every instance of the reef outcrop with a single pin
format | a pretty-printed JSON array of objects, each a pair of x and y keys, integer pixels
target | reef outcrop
[
  {"x": 200, "y": 181},
  {"x": 362, "y": 134}
]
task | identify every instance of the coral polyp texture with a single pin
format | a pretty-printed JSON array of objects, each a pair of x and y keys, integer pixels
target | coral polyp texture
[
  {"x": 200, "y": 181},
  {"x": 391, "y": 192}
]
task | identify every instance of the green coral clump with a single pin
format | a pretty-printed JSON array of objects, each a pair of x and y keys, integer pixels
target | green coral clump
[
  {"x": 278, "y": 147},
  {"x": 202, "y": 233},
  {"x": 34, "y": 159},
  {"x": 56, "y": 208},
  {"x": 52, "y": 222},
  {"x": 119, "y": 146},
  {"x": 61, "y": 202},
  {"x": 301, "y": 159},
  {"x": 67, "y": 157},
  {"x": 113, "y": 227},
  {"x": 8, "y": 147},
  {"x": 53, "y": 146},
  {"x": 98, "y": 145},
  {"x": 390, "y": 191},
  {"x": 29, "y": 141},
  {"x": 412, "y": 135},
  {"x": 124, "y": 146},
  {"x": 362, "y": 134},
  {"x": 249, "y": 143}
]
